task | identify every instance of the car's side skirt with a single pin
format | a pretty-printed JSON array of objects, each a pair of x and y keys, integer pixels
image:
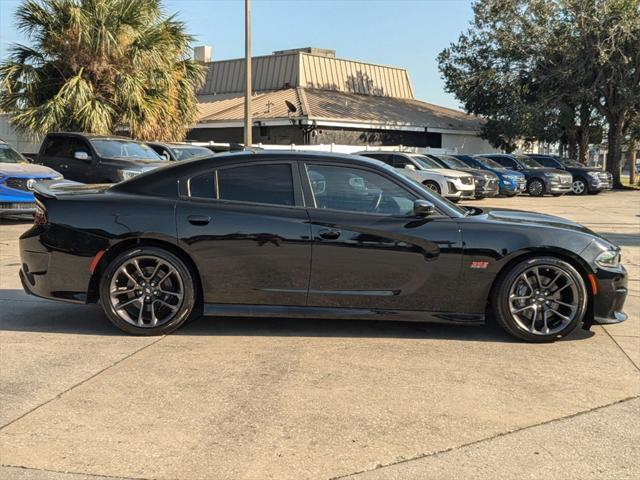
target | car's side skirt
[{"x": 283, "y": 311}]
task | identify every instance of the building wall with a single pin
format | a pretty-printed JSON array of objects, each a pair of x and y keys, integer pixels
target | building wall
[
  {"x": 285, "y": 135},
  {"x": 21, "y": 142},
  {"x": 466, "y": 144}
]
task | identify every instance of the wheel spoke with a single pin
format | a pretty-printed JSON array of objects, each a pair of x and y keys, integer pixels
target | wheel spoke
[
  {"x": 154, "y": 320},
  {"x": 168, "y": 305},
  {"x": 533, "y": 320},
  {"x": 167, "y": 292},
  {"x": 568, "y": 284},
  {"x": 522, "y": 309},
  {"x": 536, "y": 272},
  {"x": 140, "y": 315},
  {"x": 545, "y": 328},
  {"x": 520, "y": 298},
  {"x": 137, "y": 265},
  {"x": 569, "y": 305},
  {"x": 120, "y": 306},
  {"x": 564, "y": 317},
  {"x": 128, "y": 275},
  {"x": 550, "y": 284}
]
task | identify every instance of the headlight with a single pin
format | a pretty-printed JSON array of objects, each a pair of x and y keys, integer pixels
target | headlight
[
  {"x": 594, "y": 174},
  {"x": 127, "y": 174},
  {"x": 608, "y": 259}
]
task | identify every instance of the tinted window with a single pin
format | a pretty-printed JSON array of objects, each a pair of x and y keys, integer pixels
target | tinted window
[
  {"x": 504, "y": 161},
  {"x": 9, "y": 155},
  {"x": 203, "y": 186},
  {"x": 258, "y": 184},
  {"x": 547, "y": 162},
  {"x": 124, "y": 149},
  {"x": 65, "y": 147},
  {"x": 356, "y": 190}
]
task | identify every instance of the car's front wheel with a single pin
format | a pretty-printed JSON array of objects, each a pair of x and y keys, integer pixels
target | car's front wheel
[
  {"x": 147, "y": 291},
  {"x": 535, "y": 188},
  {"x": 540, "y": 299},
  {"x": 579, "y": 187},
  {"x": 433, "y": 186}
]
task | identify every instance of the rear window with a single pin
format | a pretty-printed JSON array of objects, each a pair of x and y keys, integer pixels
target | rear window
[{"x": 271, "y": 184}]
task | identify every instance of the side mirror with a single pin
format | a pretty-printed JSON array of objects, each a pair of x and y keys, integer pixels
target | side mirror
[
  {"x": 81, "y": 156},
  {"x": 408, "y": 166},
  {"x": 423, "y": 208}
]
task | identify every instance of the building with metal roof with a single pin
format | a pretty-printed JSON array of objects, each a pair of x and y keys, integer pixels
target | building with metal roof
[{"x": 309, "y": 96}]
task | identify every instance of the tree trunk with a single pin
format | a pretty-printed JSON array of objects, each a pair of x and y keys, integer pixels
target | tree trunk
[
  {"x": 572, "y": 142},
  {"x": 633, "y": 147},
  {"x": 583, "y": 133},
  {"x": 614, "y": 146}
]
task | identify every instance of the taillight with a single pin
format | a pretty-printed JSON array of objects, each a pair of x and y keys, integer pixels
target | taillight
[{"x": 40, "y": 217}]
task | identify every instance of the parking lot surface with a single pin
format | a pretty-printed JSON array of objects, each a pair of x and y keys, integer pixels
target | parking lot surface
[{"x": 276, "y": 398}]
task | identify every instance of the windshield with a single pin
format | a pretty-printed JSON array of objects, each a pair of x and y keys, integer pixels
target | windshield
[
  {"x": 128, "y": 149},
  {"x": 425, "y": 162},
  {"x": 487, "y": 162},
  {"x": 528, "y": 161},
  {"x": 182, "y": 153},
  {"x": 569, "y": 162},
  {"x": 9, "y": 155},
  {"x": 452, "y": 162}
]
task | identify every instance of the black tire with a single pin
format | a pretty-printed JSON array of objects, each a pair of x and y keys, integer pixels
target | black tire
[
  {"x": 594, "y": 192},
  {"x": 579, "y": 187},
  {"x": 557, "y": 194},
  {"x": 433, "y": 186},
  {"x": 185, "y": 310},
  {"x": 535, "y": 188},
  {"x": 500, "y": 301}
]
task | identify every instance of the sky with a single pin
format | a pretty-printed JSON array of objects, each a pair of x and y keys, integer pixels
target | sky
[{"x": 401, "y": 33}]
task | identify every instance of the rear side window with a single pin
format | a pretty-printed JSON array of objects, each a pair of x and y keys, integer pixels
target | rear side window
[
  {"x": 272, "y": 184},
  {"x": 65, "y": 147},
  {"x": 203, "y": 186}
]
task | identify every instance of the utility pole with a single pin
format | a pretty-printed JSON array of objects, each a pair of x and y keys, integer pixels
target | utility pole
[{"x": 248, "y": 86}]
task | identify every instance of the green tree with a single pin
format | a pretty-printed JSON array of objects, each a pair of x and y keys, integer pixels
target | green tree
[
  {"x": 101, "y": 66},
  {"x": 567, "y": 58}
]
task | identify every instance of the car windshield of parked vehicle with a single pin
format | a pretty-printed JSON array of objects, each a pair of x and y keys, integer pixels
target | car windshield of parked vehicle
[
  {"x": 569, "y": 162},
  {"x": 124, "y": 149},
  {"x": 182, "y": 153},
  {"x": 528, "y": 161},
  {"x": 487, "y": 162},
  {"x": 9, "y": 155},
  {"x": 425, "y": 162},
  {"x": 452, "y": 162}
]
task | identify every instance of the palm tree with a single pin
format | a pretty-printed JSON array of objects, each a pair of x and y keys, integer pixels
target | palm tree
[{"x": 101, "y": 66}]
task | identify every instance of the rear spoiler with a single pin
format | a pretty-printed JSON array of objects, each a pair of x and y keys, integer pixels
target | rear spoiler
[{"x": 55, "y": 188}]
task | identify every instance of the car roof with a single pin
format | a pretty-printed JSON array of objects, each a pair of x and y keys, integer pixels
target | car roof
[{"x": 93, "y": 135}]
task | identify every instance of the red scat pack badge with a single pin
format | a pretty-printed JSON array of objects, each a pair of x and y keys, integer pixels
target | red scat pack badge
[{"x": 479, "y": 264}]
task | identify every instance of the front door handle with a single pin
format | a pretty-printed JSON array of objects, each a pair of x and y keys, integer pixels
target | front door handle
[
  {"x": 199, "y": 220},
  {"x": 329, "y": 234}
]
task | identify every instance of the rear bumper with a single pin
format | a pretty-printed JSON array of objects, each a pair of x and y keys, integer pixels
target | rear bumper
[
  {"x": 50, "y": 273},
  {"x": 609, "y": 301}
]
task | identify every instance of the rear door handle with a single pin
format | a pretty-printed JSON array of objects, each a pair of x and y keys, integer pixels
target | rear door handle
[
  {"x": 199, "y": 219},
  {"x": 329, "y": 234}
]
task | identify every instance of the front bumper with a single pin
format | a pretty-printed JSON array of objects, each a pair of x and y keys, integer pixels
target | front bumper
[
  {"x": 604, "y": 181},
  {"x": 559, "y": 188},
  {"x": 513, "y": 188},
  {"x": 8, "y": 209},
  {"x": 457, "y": 189},
  {"x": 612, "y": 293}
]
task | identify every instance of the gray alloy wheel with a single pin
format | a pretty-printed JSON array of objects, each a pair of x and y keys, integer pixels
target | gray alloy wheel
[
  {"x": 535, "y": 188},
  {"x": 579, "y": 187},
  {"x": 147, "y": 291},
  {"x": 541, "y": 299},
  {"x": 433, "y": 186}
]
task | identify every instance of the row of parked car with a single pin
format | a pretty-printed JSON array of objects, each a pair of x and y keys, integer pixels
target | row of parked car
[{"x": 90, "y": 158}]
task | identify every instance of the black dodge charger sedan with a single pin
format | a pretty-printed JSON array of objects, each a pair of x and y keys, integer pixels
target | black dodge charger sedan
[{"x": 311, "y": 235}]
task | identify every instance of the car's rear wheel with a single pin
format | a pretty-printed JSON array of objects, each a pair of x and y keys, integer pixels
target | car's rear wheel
[
  {"x": 579, "y": 187},
  {"x": 540, "y": 299},
  {"x": 147, "y": 291},
  {"x": 433, "y": 186},
  {"x": 535, "y": 188}
]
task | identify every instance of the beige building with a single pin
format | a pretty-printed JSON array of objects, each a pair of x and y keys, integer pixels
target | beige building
[{"x": 309, "y": 97}]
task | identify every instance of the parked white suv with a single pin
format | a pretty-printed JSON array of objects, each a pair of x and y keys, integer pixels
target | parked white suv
[{"x": 452, "y": 184}]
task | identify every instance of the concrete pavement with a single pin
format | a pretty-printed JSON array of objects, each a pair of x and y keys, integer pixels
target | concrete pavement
[{"x": 244, "y": 398}]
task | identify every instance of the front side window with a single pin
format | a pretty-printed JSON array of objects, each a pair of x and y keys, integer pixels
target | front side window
[
  {"x": 9, "y": 155},
  {"x": 272, "y": 184},
  {"x": 528, "y": 161},
  {"x": 357, "y": 190}
]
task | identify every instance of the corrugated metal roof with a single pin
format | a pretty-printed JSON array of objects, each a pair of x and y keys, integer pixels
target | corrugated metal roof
[
  {"x": 317, "y": 104},
  {"x": 300, "y": 69}
]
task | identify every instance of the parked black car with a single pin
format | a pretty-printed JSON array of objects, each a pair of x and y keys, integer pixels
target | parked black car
[
  {"x": 92, "y": 158},
  {"x": 585, "y": 179},
  {"x": 540, "y": 180},
  {"x": 236, "y": 237},
  {"x": 487, "y": 183},
  {"x": 178, "y": 151}
]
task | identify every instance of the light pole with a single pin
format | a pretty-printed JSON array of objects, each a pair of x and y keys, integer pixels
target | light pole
[{"x": 248, "y": 86}]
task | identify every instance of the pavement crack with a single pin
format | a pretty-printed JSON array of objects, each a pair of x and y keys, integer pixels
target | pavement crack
[
  {"x": 486, "y": 439},
  {"x": 621, "y": 349},
  {"x": 74, "y": 473},
  {"x": 82, "y": 382}
]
